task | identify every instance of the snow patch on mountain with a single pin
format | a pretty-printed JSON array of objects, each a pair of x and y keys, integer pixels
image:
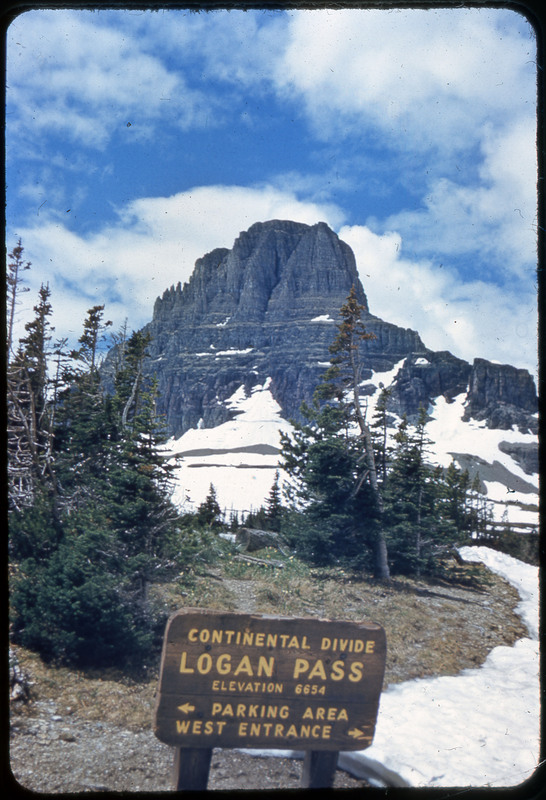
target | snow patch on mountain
[
  {"x": 239, "y": 457},
  {"x": 512, "y": 492}
]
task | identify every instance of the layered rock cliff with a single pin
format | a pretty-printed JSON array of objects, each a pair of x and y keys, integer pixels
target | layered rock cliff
[{"x": 268, "y": 308}]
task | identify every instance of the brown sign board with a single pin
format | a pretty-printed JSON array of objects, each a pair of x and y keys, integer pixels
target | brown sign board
[{"x": 241, "y": 680}]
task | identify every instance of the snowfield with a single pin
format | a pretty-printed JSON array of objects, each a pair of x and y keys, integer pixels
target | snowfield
[
  {"x": 240, "y": 457},
  {"x": 480, "y": 728}
]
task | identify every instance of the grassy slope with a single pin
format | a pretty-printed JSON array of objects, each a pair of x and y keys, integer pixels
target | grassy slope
[{"x": 432, "y": 629}]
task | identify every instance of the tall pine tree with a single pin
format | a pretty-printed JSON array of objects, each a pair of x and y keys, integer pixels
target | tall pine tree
[
  {"x": 332, "y": 459},
  {"x": 80, "y": 591},
  {"x": 29, "y": 421},
  {"x": 420, "y": 529}
]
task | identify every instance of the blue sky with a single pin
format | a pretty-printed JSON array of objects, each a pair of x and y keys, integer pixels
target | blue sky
[{"x": 137, "y": 141}]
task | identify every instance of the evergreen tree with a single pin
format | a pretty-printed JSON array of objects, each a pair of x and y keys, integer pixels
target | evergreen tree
[
  {"x": 28, "y": 411},
  {"x": 479, "y": 510},
  {"x": 84, "y": 421},
  {"x": 274, "y": 508},
  {"x": 333, "y": 460},
  {"x": 420, "y": 530},
  {"x": 80, "y": 588},
  {"x": 333, "y": 514},
  {"x": 257, "y": 519},
  {"x": 136, "y": 492},
  {"x": 14, "y": 280},
  {"x": 209, "y": 512},
  {"x": 129, "y": 380},
  {"x": 380, "y": 429},
  {"x": 455, "y": 485}
]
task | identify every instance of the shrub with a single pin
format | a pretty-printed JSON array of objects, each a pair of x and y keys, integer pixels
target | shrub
[{"x": 74, "y": 610}]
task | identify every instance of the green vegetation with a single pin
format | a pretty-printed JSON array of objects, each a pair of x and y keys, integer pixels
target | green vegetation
[
  {"x": 99, "y": 556},
  {"x": 357, "y": 503}
]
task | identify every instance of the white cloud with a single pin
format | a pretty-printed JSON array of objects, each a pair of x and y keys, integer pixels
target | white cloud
[
  {"x": 429, "y": 84},
  {"x": 156, "y": 241},
  {"x": 237, "y": 47},
  {"x": 153, "y": 245},
  {"x": 492, "y": 221},
  {"x": 424, "y": 78},
  {"x": 71, "y": 73},
  {"x": 441, "y": 88},
  {"x": 471, "y": 318}
]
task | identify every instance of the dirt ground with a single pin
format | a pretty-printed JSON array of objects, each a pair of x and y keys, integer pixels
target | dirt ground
[{"x": 83, "y": 732}]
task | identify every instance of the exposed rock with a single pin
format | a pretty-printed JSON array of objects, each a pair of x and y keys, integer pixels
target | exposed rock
[
  {"x": 427, "y": 375},
  {"x": 252, "y": 539},
  {"x": 493, "y": 472},
  {"x": 524, "y": 454},
  {"x": 19, "y": 681},
  {"x": 502, "y": 395},
  {"x": 268, "y": 308}
]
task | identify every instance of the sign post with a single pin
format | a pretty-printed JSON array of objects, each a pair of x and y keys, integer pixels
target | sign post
[{"x": 252, "y": 681}]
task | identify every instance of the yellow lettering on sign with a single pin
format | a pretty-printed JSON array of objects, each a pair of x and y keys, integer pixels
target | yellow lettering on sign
[
  {"x": 254, "y": 687},
  {"x": 244, "y": 666},
  {"x": 183, "y": 667},
  {"x": 332, "y": 714},
  {"x": 356, "y": 671},
  {"x": 198, "y": 727},
  {"x": 336, "y": 672},
  {"x": 348, "y": 645},
  {"x": 279, "y": 731},
  {"x": 301, "y": 665},
  {"x": 318, "y": 670},
  {"x": 223, "y": 665},
  {"x": 204, "y": 663},
  {"x": 251, "y": 711},
  {"x": 247, "y": 638}
]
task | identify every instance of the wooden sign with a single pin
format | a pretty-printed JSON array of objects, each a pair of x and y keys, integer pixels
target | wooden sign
[{"x": 240, "y": 680}]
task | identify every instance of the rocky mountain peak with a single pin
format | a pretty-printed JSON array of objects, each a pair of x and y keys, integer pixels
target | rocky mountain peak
[
  {"x": 266, "y": 310},
  {"x": 276, "y": 271}
]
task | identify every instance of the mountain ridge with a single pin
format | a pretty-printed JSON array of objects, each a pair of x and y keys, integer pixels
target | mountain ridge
[
  {"x": 245, "y": 341},
  {"x": 268, "y": 308}
]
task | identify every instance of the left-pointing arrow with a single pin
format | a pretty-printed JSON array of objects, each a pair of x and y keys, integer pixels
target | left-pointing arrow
[{"x": 186, "y": 708}]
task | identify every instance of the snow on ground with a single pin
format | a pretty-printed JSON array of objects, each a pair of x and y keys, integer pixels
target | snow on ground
[
  {"x": 451, "y": 435},
  {"x": 479, "y": 728},
  {"x": 239, "y": 457},
  {"x": 476, "y": 729}
]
